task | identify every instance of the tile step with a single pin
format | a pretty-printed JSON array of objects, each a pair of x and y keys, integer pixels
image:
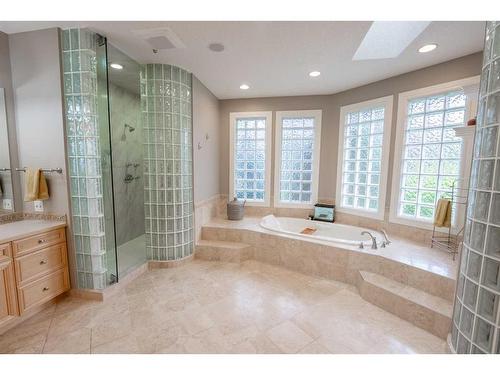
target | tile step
[
  {"x": 224, "y": 251},
  {"x": 422, "y": 309},
  {"x": 222, "y": 244}
]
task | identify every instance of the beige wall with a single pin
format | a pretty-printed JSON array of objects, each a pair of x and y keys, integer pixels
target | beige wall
[
  {"x": 330, "y": 104},
  {"x": 6, "y": 84},
  {"x": 206, "y": 159},
  {"x": 36, "y": 80}
]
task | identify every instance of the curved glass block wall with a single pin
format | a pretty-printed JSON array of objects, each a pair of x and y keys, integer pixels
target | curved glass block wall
[
  {"x": 88, "y": 152},
  {"x": 476, "y": 314},
  {"x": 168, "y": 189}
]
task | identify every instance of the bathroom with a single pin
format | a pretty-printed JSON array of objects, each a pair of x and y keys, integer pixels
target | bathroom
[{"x": 160, "y": 195}]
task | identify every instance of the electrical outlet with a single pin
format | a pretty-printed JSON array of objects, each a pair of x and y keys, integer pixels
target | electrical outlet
[
  {"x": 38, "y": 206},
  {"x": 7, "y": 204}
]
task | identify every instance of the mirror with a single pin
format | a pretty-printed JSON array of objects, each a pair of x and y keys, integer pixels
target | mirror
[{"x": 6, "y": 191}]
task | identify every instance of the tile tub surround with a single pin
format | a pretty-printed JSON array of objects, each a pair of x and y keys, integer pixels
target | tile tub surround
[
  {"x": 476, "y": 315},
  {"x": 274, "y": 248},
  {"x": 218, "y": 307},
  {"x": 206, "y": 210},
  {"x": 413, "y": 234}
]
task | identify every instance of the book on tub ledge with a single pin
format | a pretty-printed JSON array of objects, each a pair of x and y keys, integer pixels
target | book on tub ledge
[{"x": 324, "y": 212}]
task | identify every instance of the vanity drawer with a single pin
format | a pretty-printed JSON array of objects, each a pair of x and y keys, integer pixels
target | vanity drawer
[
  {"x": 5, "y": 249},
  {"x": 39, "y": 241},
  {"x": 43, "y": 289},
  {"x": 34, "y": 265}
]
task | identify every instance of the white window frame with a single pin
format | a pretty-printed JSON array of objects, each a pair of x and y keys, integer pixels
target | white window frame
[
  {"x": 387, "y": 103},
  {"x": 403, "y": 100},
  {"x": 280, "y": 115},
  {"x": 233, "y": 117}
]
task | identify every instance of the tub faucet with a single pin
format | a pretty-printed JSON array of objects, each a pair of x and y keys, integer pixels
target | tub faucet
[
  {"x": 374, "y": 239},
  {"x": 386, "y": 241}
]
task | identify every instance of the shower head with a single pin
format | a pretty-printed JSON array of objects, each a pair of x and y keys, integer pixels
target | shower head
[
  {"x": 125, "y": 128},
  {"x": 130, "y": 128}
]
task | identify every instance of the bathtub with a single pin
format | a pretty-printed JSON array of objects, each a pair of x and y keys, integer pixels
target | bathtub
[{"x": 331, "y": 232}]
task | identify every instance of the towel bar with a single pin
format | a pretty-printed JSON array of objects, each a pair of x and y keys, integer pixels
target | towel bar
[{"x": 45, "y": 170}]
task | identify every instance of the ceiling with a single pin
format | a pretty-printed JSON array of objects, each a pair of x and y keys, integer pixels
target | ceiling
[{"x": 274, "y": 58}]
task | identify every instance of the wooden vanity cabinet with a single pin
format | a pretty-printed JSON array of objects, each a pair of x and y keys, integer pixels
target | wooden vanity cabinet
[
  {"x": 8, "y": 294},
  {"x": 33, "y": 271}
]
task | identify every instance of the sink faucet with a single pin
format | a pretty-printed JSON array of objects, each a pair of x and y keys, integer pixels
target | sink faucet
[{"x": 374, "y": 239}]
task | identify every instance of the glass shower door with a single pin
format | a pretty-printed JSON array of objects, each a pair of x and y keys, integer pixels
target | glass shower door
[{"x": 127, "y": 159}]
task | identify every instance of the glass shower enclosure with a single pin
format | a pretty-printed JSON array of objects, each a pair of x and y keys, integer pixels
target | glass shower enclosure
[
  {"x": 129, "y": 137},
  {"x": 104, "y": 139}
]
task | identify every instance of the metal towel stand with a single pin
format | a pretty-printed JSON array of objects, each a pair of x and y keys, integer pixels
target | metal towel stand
[{"x": 448, "y": 241}]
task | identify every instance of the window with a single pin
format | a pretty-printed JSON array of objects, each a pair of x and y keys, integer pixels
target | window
[
  {"x": 298, "y": 135},
  {"x": 428, "y": 155},
  {"x": 250, "y": 157},
  {"x": 364, "y": 135}
]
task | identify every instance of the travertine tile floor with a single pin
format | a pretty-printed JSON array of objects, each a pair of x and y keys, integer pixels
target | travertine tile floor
[{"x": 215, "y": 307}]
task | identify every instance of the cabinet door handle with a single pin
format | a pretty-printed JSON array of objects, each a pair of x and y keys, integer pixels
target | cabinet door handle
[
  {"x": 43, "y": 261},
  {"x": 42, "y": 241},
  {"x": 45, "y": 288}
]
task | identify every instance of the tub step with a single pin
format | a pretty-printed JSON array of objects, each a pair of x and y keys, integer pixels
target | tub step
[
  {"x": 224, "y": 251},
  {"x": 422, "y": 309}
]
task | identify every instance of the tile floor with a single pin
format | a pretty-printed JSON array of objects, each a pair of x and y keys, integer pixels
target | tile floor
[
  {"x": 215, "y": 307},
  {"x": 131, "y": 254}
]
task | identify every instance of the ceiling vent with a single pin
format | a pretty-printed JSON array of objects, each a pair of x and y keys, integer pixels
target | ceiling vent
[{"x": 160, "y": 38}]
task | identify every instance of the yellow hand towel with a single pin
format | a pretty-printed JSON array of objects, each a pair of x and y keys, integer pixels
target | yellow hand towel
[
  {"x": 35, "y": 185},
  {"x": 43, "y": 189},
  {"x": 442, "y": 217}
]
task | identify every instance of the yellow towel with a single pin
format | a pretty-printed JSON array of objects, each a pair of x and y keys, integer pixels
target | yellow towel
[
  {"x": 442, "y": 217},
  {"x": 35, "y": 186}
]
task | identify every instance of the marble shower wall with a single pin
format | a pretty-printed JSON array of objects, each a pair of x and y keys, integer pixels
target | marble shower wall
[
  {"x": 127, "y": 161},
  {"x": 476, "y": 314}
]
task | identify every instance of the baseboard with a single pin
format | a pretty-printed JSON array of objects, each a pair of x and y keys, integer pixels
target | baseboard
[{"x": 155, "y": 264}]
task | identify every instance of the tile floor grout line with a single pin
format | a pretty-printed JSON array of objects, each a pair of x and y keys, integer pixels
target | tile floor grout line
[
  {"x": 90, "y": 341},
  {"x": 48, "y": 330}
]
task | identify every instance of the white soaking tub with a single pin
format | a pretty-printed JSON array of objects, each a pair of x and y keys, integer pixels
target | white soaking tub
[{"x": 332, "y": 232}]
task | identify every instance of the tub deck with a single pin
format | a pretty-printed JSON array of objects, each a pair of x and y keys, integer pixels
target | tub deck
[{"x": 401, "y": 250}]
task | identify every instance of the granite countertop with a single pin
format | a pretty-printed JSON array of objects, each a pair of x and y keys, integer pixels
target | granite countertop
[{"x": 25, "y": 228}]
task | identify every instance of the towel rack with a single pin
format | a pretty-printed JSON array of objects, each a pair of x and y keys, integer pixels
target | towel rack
[
  {"x": 448, "y": 241},
  {"x": 45, "y": 170},
  {"x": 4, "y": 169}
]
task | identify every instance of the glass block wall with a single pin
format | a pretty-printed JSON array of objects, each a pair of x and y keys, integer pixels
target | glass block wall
[
  {"x": 476, "y": 314},
  {"x": 168, "y": 190},
  {"x": 79, "y": 56},
  {"x": 364, "y": 135}
]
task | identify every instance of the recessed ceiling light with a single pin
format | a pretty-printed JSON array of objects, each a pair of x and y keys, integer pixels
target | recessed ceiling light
[
  {"x": 216, "y": 47},
  {"x": 427, "y": 48},
  {"x": 116, "y": 66},
  {"x": 244, "y": 86},
  {"x": 315, "y": 73}
]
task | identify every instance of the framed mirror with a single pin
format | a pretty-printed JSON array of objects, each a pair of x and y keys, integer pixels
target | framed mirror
[{"x": 6, "y": 190}]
